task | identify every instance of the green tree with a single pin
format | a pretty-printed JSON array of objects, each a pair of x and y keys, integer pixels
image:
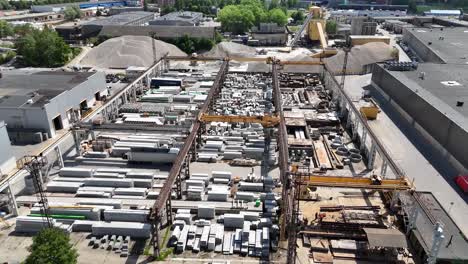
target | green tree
[
  {"x": 412, "y": 7},
  {"x": 274, "y": 4},
  {"x": 331, "y": 27},
  {"x": 72, "y": 12},
  {"x": 43, "y": 48},
  {"x": 278, "y": 16},
  {"x": 257, "y": 8},
  {"x": 235, "y": 19},
  {"x": 22, "y": 30},
  {"x": 5, "y": 29},
  {"x": 52, "y": 246},
  {"x": 298, "y": 16}
]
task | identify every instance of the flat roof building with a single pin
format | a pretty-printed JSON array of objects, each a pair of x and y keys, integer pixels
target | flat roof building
[
  {"x": 46, "y": 101},
  {"x": 182, "y": 18},
  {"x": 443, "y": 45},
  {"x": 7, "y": 160}
]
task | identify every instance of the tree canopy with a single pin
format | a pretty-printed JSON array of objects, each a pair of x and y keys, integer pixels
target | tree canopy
[
  {"x": 52, "y": 246},
  {"x": 248, "y": 13},
  {"x": 190, "y": 45},
  {"x": 278, "y": 16},
  {"x": 72, "y": 12},
  {"x": 298, "y": 16},
  {"x": 43, "y": 48},
  {"x": 331, "y": 27}
]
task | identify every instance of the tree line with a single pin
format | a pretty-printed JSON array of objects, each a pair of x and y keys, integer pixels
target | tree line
[{"x": 240, "y": 18}]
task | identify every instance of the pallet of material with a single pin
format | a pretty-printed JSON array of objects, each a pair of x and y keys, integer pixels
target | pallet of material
[
  {"x": 204, "y": 237},
  {"x": 218, "y": 195},
  {"x": 206, "y": 212},
  {"x": 221, "y": 181},
  {"x": 185, "y": 217},
  {"x": 63, "y": 187},
  {"x": 233, "y": 220},
  {"x": 93, "y": 194},
  {"x": 108, "y": 175},
  {"x": 28, "y": 224},
  {"x": 134, "y": 230},
  {"x": 131, "y": 191},
  {"x": 182, "y": 242},
  {"x": 230, "y": 155},
  {"x": 142, "y": 183},
  {"x": 221, "y": 174},
  {"x": 140, "y": 175},
  {"x": 194, "y": 183},
  {"x": 250, "y": 186},
  {"x": 113, "y": 170},
  {"x": 76, "y": 172},
  {"x": 128, "y": 197},
  {"x": 125, "y": 215},
  {"x": 117, "y": 204},
  {"x": 245, "y": 196},
  {"x": 227, "y": 243},
  {"x": 83, "y": 225},
  {"x": 68, "y": 179},
  {"x": 106, "y": 182}
]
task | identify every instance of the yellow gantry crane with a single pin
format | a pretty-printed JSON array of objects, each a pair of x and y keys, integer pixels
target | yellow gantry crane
[{"x": 266, "y": 121}]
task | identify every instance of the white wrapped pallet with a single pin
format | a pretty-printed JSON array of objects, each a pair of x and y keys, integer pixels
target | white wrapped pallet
[
  {"x": 105, "y": 182},
  {"x": 117, "y": 204},
  {"x": 233, "y": 220},
  {"x": 29, "y": 224},
  {"x": 204, "y": 237},
  {"x": 175, "y": 236},
  {"x": 183, "y": 211},
  {"x": 83, "y": 225},
  {"x": 182, "y": 242},
  {"x": 152, "y": 195},
  {"x": 109, "y": 190},
  {"x": 214, "y": 144},
  {"x": 229, "y": 155},
  {"x": 194, "y": 183},
  {"x": 140, "y": 175},
  {"x": 218, "y": 195},
  {"x": 245, "y": 196},
  {"x": 134, "y": 230},
  {"x": 211, "y": 243},
  {"x": 227, "y": 244},
  {"x": 76, "y": 172},
  {"x": 250, "y": 186},
  {"x": 206, "y": 212},
  {"x": 126, "y": 215},
  {"x": 222, "y": 174},
  {"x": 220, "y": 181},
  {"x": 128, "y": 197},
  {"x": 113, "y": 170},
  {"x": 185, "y": 217},
  {"x": 142, "y": 183},
  {"x": 131, "y": 191},
  {"x": 92, "y": 194},
  {"x": 250, "y": 216},
  {"x": 63, "y": 187},
  {"x": 109, "y": 175},
  {"x": 68, "y": 179}
]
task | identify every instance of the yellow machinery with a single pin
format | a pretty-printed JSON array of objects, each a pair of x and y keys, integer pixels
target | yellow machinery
[
  {"x": 316, "y": 27},
  {"x": 266, "y": 121},
  {"x": 370, "y": 111},
  {"x": 372, "y": 183}
]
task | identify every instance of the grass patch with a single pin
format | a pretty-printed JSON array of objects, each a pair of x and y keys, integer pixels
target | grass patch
[
  {"x": 166, "y": 236},
  {"x": 164, "y": 254},
  {"x": 146, "y": 251}
]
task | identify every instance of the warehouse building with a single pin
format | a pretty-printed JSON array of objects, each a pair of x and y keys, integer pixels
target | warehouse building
[
  {"x": 270, "y": 34},
  {"x": 7, "y": 160},
  {"x": 433, "y": 98},
  {"x": 36, "y": 105},
  {"x": 182, "y": 18},
  {"x": 82, "y": 5}
]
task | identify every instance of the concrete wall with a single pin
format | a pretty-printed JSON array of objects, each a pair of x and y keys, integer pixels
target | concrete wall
[
  {"x": 28, "y": 118},
  {"x": 72, "y": 99},
  {"x": 445, "y": 136},
  {"x": 421, "y": 48},
  {"x": 7, "y": 160}
]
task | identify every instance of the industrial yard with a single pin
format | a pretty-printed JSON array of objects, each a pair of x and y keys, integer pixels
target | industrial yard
[{"x": 317, "y": 147}]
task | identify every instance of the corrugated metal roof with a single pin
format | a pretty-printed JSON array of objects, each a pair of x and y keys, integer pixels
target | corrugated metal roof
[{"x": 388, "y": 238}]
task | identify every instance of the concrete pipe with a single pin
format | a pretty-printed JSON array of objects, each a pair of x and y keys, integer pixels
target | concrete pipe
[
  {"x": 342, "y": 151},
  {"x": 354, "y": 151},
  {"x": 336, "y": 145},
  {"x": 355, "y": 158}
]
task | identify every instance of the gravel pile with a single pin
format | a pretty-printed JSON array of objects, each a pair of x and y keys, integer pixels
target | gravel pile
[
  {"x": 359, "y": 57},
  {"x": 231, "y": 49},
  {"x": 125, "y": 51}
]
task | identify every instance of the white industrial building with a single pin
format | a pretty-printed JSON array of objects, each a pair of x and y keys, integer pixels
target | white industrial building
[
  {"x": 7, "y": 160},
  {"x": 38, "y": 104}
]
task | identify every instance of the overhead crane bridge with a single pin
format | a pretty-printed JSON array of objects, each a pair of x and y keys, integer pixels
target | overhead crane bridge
[{"x": 290, "y": 176}]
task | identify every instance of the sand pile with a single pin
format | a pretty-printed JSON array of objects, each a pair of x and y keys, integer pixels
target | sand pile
[
  {"x": 125, "y": 51},
  {"x": 359, "y": 57},
  {"x": 230, "y": 49}
]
